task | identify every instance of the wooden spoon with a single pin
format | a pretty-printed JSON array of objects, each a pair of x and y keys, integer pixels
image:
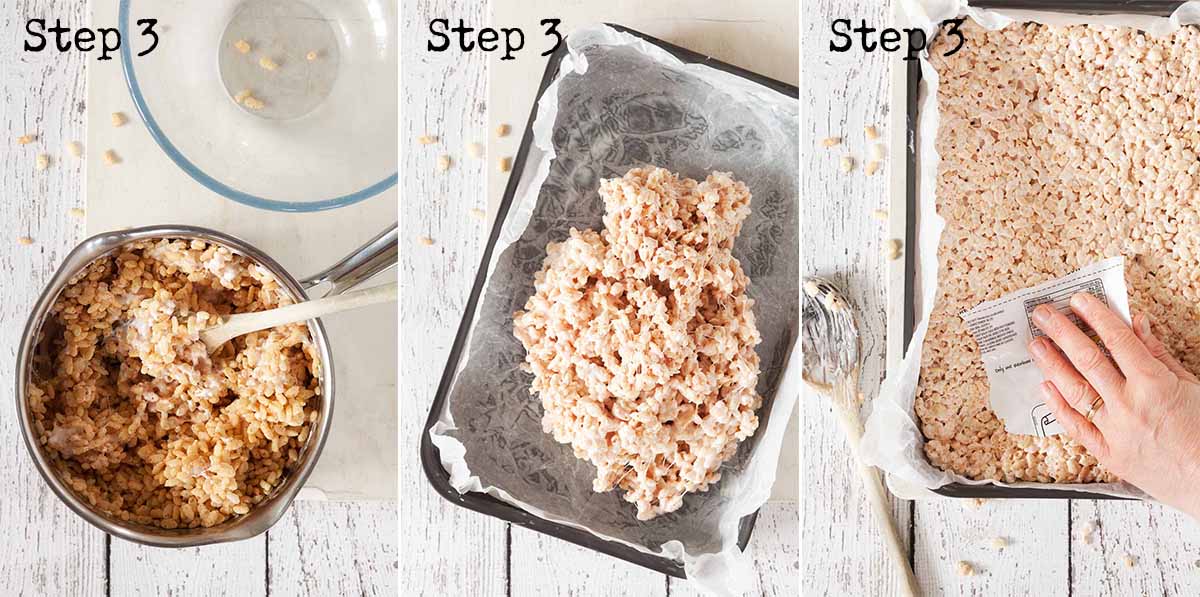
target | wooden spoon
[{"x": 831, "y": 366}]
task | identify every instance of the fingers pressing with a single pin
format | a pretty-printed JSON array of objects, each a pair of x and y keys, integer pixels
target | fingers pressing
[
  {"x": 1075, "y": 390},
  {"x": 1141, "y": 327},
  {"x": 1081, "y": 350},
  {"x": 1075, "y": 424},
  {"x": 1126, "y": 348}
]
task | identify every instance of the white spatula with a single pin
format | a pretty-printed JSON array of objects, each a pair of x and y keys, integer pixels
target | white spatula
[{"x": 244, "y": 323}]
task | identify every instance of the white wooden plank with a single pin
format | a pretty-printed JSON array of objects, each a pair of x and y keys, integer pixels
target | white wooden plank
[
  {"x": 957, "y": 530},
  {"x": 238, "y": 568},
  {"x": 48, "y": 549},
  {"x": 454, "y": 551},
  {"x": 335, "y": 548},
  {"x": 1164, "y": 544},
  {"x": 840, "y": 95},
  {"x": 543, "y": 566},
  {"x": 775, "y": 548}
]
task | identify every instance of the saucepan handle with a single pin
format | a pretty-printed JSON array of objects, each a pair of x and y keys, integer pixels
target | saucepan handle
[{"x": 378, "y": 255}]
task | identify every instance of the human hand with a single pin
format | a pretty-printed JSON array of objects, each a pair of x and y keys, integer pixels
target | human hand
[{"x": 1145, "y": 426}]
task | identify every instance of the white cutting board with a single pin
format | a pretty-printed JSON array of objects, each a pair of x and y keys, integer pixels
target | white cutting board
[
  {"x": 360, "y": 456},
  {"x": 761, "y": 36}
]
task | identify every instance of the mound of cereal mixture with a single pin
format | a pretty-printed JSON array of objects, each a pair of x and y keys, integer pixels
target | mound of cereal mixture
[
  {"x": 138, "y": 419},
  {"x": 641, "y": 337},
  {"x": 1060, "y": 146}
]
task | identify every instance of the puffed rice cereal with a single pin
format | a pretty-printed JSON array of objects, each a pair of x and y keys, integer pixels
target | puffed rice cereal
[
  {"x": 139, "y": 420},
  {"x": 641, "y": 337},
  {"x": 1059, "y": 146}
]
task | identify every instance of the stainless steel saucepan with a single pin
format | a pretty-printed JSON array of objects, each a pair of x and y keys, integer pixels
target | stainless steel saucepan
[{"x": 378, "y": 255}]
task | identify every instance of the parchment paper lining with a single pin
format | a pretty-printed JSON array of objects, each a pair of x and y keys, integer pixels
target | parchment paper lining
[
  {"x": 619, "y": 102},
  {"x": 893, "y": 439}
]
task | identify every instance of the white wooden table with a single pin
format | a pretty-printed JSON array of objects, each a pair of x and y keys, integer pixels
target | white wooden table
[
  {"x": 841, "y": 93},
  {"x": 455, "y": 551},
  {"x": 316, "y": 549}
]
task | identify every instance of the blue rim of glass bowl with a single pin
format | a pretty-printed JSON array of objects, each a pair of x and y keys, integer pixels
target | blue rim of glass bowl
[{"x": 199, "y": 175}]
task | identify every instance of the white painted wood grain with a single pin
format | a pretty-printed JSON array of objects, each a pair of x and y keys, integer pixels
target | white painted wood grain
[
  {"x": 238, "y": 568},
  {"x": 840, "y": 95},
  {"x": 843, "y": 92},
  {"x": 543, "y": 566},
  {"x": 335, "y": 548},
  {"x": 47, "y": 549},
  {"x": 775, "y": 548},
  {"x": 1165, "y": 546},
  {"x": 448, "y": 550},
  {"x": 949, "y": 531},
  {"x": 445, "y": 95}
]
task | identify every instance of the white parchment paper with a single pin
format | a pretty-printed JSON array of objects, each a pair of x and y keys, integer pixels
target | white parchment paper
[
  {"x": 619, "y": 102},
  {"x": 893, "y": 440}
]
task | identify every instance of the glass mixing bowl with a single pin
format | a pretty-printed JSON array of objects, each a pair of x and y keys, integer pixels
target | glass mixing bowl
[{"x": 320, "y": 129}]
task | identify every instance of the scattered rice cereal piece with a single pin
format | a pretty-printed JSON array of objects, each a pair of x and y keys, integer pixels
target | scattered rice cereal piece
[
  {"x": 965, "y": 568},
  {"x": 1000, "y": 542},
  {"x": 880, "y": 214},
  {"x": 24, "y": 240},
  {"x": 892, "y": 248},
  {"x": 1130, "y": 560},
  {"x": 26, "y": 139},
  {"x": 427, "y": 139},
  {"x": 503, "y": 130},
  {"x": 242, "y": 46},
  {"x": 847, "y": 164},
  {"x": 425, "y": 240},
  {"x": 871, "y": 132},
  {"x": 118, "y": 118},
  {"x": 871, "y": 168},
  {"x": 443, "y": 162},
  {"x": 75, "y": 212},
  {"x": 110, "y": 157},
  {"x": 505, "y": 164},
  {"x": 475, "y": 150},
  {"x": 831, "y": 141},
  {"x": 311, "y": 56},
  {"x": 74, "y": 148},
  {"x": 977, "y": 502},
  {"x": 42, "y": 161},
  {"x": 268, "y": 63},
  {"x": 242, "y": 95},
  {"x": 253, "y": 103}
]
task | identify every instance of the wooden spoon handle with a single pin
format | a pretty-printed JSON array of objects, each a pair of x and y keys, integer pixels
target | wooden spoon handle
[{"x": 852, "y": 425}]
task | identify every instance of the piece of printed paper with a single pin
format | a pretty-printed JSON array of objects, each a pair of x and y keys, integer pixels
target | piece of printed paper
[{"x": 1003, "y": 329}]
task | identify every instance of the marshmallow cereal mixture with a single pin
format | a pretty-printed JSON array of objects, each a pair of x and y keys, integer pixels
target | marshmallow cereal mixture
[
  {"x": 641, "y": 337},
  {"x": 1060, "y": 147},
  {"x": 136, "y": 416}
]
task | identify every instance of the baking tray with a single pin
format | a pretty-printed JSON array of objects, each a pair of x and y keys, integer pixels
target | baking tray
[
  {"x": 438, "y": 476},
  {"x": 913, "y": 79}
]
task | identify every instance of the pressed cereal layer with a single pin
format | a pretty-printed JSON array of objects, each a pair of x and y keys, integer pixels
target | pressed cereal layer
[
  {"x": 1060, "y": 146},
  {"x": 641, "y": 337},
  {"x": 138, "y": 419}
]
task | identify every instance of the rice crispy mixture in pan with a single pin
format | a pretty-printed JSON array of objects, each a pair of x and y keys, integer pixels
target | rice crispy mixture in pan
[
  {"x": 1060, "y": 146},
  {"x": 138, "y": 419},
  {"x": 641, "y": 337}
]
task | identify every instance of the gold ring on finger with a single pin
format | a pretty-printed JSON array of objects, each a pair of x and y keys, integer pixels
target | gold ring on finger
[{"x": 1093, "y": 407}]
